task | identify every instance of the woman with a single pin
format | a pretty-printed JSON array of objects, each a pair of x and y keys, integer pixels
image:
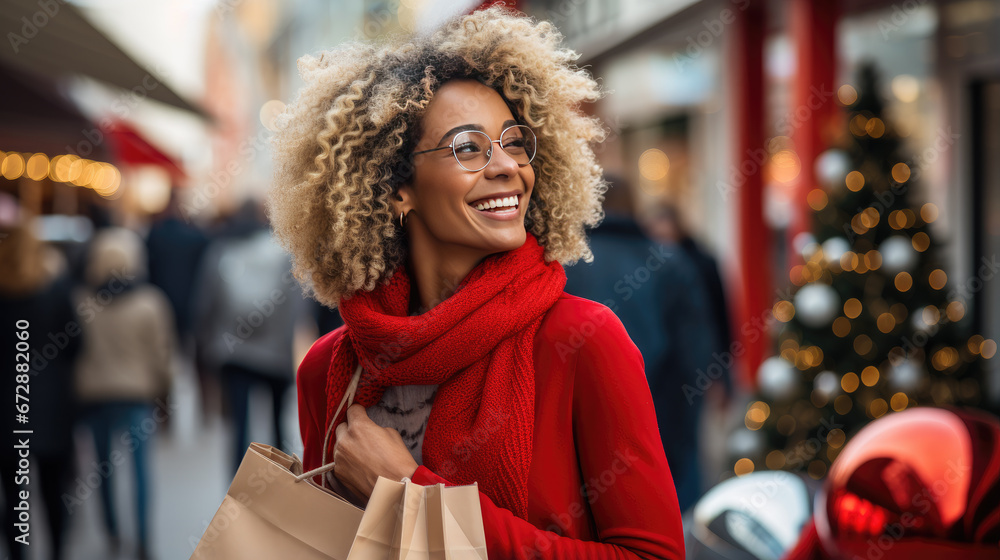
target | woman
[
  {"x": 125, "y": 369},
  {"x": 431, "y": 189},
  {"x": 40, "y": 343}
]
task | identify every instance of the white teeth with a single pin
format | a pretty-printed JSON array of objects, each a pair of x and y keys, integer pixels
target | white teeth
[{"x": 509, "y": 201}]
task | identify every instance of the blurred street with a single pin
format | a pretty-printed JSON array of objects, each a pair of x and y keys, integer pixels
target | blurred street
[{"x": 189, "y": 479}]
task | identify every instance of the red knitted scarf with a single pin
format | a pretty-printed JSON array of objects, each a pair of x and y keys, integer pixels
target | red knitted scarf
[{"x": 477, "y": 345}]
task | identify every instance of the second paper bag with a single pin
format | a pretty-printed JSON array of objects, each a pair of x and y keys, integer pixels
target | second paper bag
[{"x": 407, "y": 521}]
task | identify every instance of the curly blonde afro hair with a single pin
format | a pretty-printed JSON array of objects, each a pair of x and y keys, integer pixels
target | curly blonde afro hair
[{"x": 342, "y": 148}]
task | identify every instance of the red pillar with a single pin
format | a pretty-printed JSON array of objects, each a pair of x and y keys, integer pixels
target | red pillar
[
  {"x": 814, "y": 100},
  {"x": 754, "y": 235}
]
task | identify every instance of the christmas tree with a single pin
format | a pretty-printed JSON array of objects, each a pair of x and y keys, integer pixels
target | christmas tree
[{"x": 873, "y": 325}]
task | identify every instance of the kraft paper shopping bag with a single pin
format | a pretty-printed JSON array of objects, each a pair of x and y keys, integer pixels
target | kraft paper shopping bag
[
  {"x": 407, "y": 521},
  {"x": 270, "y": 513}
]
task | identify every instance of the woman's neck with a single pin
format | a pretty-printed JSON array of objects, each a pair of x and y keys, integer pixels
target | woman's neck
[{"x": 436, "y": 269}]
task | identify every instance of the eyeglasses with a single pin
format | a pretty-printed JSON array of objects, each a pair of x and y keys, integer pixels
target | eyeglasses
[{"x": 473, "y": 150}]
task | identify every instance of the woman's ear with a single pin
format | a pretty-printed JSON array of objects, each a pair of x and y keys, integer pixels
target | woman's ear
[{"x": 402, "y": 199}]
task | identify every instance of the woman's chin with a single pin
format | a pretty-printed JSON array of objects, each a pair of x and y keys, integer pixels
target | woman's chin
[
  {"x": 501, "y": 241},
  {"x": 510, "y": 240}
]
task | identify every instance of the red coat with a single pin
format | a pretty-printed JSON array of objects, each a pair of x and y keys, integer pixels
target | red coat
[{"x": 599, "y": 485}]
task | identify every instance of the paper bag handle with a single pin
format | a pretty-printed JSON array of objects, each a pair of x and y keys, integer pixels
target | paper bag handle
[{"x": 352, "y": 389}]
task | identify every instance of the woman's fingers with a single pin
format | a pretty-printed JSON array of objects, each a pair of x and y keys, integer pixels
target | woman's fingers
[
  {"x": 345, "y": 473},
  {"x": 350, "y": 451},
  {"x": 364, "y": 451},
  {"x": 357, "y": 413},
  {"x": 344, "y": 465}
]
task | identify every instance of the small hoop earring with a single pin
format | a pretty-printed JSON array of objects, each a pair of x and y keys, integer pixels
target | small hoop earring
[{"x": 402, "y": 215}]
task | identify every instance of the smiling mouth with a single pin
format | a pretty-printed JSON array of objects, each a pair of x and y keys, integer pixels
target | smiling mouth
[{"x": 503, "y": 205}]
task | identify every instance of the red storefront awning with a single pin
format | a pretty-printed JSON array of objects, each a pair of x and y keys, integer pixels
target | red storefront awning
[{"x": 131, "y": 148}]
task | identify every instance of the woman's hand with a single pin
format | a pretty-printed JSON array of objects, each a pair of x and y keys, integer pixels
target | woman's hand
[{"x": 365, "y": 451}]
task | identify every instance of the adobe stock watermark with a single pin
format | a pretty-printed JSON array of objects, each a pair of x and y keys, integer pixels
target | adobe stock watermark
[
  {"x": 712, "y": 29},
  {"x": 220, "y": 179},
  {"x": 224, "y": 7},
  {"x": 923, "y": 336},
  {"x": 234, "y": 504},
  {"x": 595, "y": 318},
  {"x": 901, "y": 14},
  {"x": 910, "y": 346},
  {"x": 465, "y": 449},
  {"x": 975, "y": 284},
  {"x": 885, "y": 199},
  {"x": 33, "y": 24},
  {"x": 806, "y": 450},
  {"x": 377, "y": 20},
  {"x": 630, "y": 283},
  {"x": 756, "y": 158},
  {"x": 121, "y": 107},
  {"x": 752, "y": 330},
  {"x": 86, "y": 311},
  {"x": 391, "y": 350},
  {"x": 943, "y": 140},
  {"x": 561, "y": 13},
  {"x": 767, "y": 490},
  {"x": 132, "y": 439},
  {"x": 924, "y": 501},
  {"x": 593, "y": 488},
  {"x": 247, "y": 324}
]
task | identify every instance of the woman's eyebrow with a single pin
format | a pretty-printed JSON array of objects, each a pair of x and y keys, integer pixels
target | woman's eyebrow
[
  {"x": 464, "y": 127},
  {"x": 457, "y": 129}
]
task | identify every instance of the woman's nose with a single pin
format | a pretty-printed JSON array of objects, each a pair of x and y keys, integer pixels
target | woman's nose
[{"x": 501, "y": 163}]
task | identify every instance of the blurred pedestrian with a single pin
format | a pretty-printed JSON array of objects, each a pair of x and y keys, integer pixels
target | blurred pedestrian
[
  {"x": 35, "y": 292},
  {"x": 175, "y": 248},
  {"x": 666, "y": 226},
  {"x": 126, "y": 367},
  {"x": 655, "y": 291},
  {"x": 248, "y": 309}
]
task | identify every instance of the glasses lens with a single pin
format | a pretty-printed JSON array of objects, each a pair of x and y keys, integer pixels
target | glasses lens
[
  {"x": 472, "y": 150},
  {"x": 519, "y": 143}
]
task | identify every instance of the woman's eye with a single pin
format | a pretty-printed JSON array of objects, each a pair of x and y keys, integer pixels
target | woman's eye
[
  {"x": 467, "y": 148},
  {"x": 514, "y": 143}
]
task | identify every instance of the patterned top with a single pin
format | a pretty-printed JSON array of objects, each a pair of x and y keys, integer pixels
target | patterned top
[{"x": 406, "y": 409}]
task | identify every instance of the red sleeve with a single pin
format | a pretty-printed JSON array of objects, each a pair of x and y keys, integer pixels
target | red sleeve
[
  {"x": 311, "y": 386},
  {"x": 635, "y": 507}
]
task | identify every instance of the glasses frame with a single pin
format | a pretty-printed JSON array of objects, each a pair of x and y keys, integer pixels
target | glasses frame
[{"x": 489, "y": 153}]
